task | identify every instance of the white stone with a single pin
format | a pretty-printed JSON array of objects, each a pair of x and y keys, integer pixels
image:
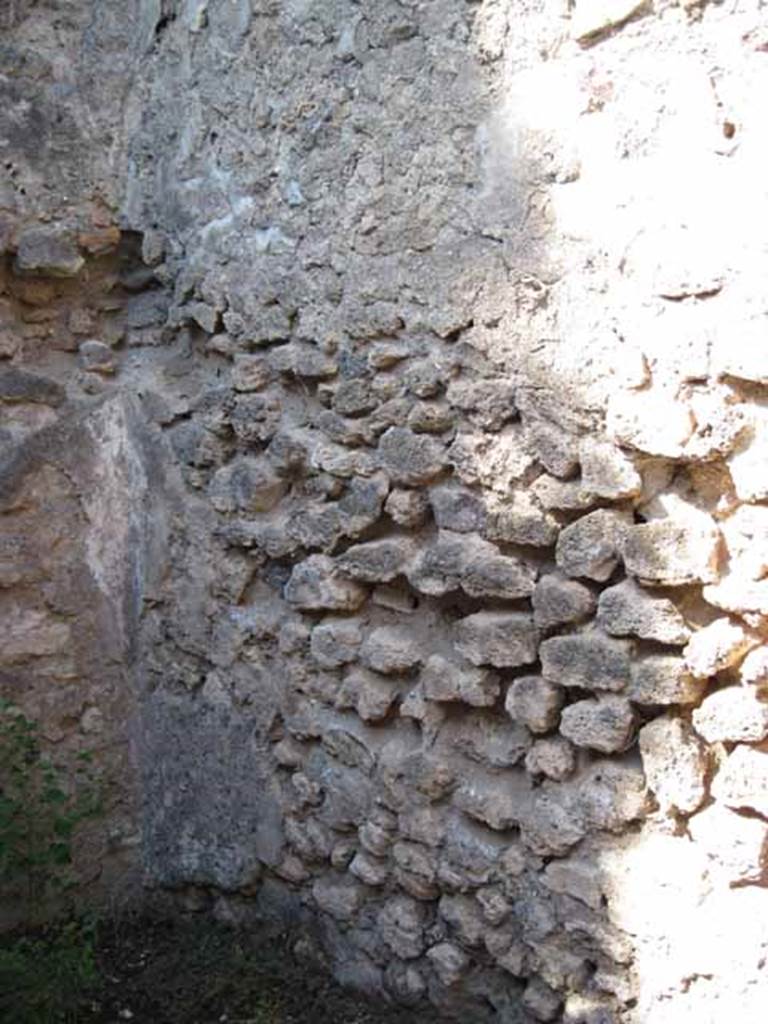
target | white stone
[
  {"x": 717, "y": 646},
  {"x": 733, "y": 715},
  {"x": 675, "y": 764}
]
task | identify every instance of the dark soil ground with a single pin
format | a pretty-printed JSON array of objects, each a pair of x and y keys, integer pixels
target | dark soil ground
[{"x": 194, "y": 971}]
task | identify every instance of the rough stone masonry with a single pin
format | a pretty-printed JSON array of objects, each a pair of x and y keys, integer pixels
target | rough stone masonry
[{"x": 384, "y": 479}]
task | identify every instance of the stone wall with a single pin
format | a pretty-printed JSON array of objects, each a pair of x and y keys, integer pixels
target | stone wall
[{"x": 396, "y": 374}]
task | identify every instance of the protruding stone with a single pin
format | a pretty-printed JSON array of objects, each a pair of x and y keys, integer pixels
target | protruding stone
[
  {"x": 589, "y": 660},
  {"x": 629, "y": 610},
  {"x": 576, "y": 876},
  {"x": 486, "y": 738},
  {"x": 521, "y": 520},
  {"x": 746, "y": 537},
  {"x": 498, "y": 807},
  {"x": 748, "y": 462},
  {"x": 495, "y": 461},
  {"x": 733, "y": 715},
  {"x": 672, "y": 553},
  {"x": 246, "y": 485},
  {"x": 390, "y": 649},
  {"x": 444, "y": 680},
  {"x": 317, "y": 585},
  {"x": 737, "y": 844},
  {"x": 675, "y": 764},
  {"x": 593, "y": 20},
  {"x": 449, "y": 962},
  {"x": 378, "y": 561},
  {"x": 718, "y": 646},
  {"x": 336, "y": 643},
  {"x": 742, "y": 782},
  {"x": 557, "y": 601},
  {"x": 605, "y": 724},
  {"x": 535, "y": 702},
  {"x": 96, "y": 357},
  {"x": 341, "y": 897},
  {"x": 250, "y": 373},
  {"x": 591, "y": 546},
  {"x": 407, "y": 508},
  {"x": 653, "y": 422},
  {"x": 438, "y": 568},
  {"x": 48, "y": 252},
  {"x": 487, "y": 573},
  {"x": 457, "y": 508},
  {"x": 552, "y": 756},
  {"x": 501, "y": 639},
  {"x": 370, "y": 694},
  {"x": 663, "y": 679},
  {"x": 607, "y": 472},
  {"x": 410, "y": 458},
  {"x": 401, "y": 924},
  {"x": 541, "y": 1001}
]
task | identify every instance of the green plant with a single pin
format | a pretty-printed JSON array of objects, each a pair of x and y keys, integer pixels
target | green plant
[
  {"x": 42, "y": 976},
  {"x": 41, "y": 805}
]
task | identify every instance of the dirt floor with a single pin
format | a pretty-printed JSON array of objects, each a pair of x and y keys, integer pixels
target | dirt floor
[{"x": 194, "y": 971}]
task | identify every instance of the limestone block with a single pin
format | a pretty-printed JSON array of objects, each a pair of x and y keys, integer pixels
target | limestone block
[
  {"x": 672, "y": 553},
  {"x": 742, "y": 782},
  {"x": 401, "y": 923},
  {"x": 316, "y": 585},
  {"x": 630, "y": 610},
  {"x": 444, "y": 680},
  {"x": 557, "y": 601},
  {"x": 591, "y": 661},
  {"x": 501, "y": 639},
  {"x": 457, "y": 508},
  {"x": 247, "y": 484},
  {"x": 743, "y": 351},
  {"x": 738, "y": 844},
  {"x": 732, "y": 715},
  {"x": 410, "y": 458},
  {"x": 718, "y": 646},
  {"x": 754, "y": 668},
  {"x": 407, "y": 508},
  {"x": 522, "y": 520},
  {"x": 378, "y": 561},
  {"x": 449, "y": 962},
  {"x": 336, "y": 642},
  {"x": 552, "y": 756},
  {"x": 47, "y": 251},
  {"x": 746, "y": 537},
  {"x": 552, "y": 446},
  {"x": 675, "y": 764},
  {"x": 605, "y": 724},
  {"x": 745, "y": 597},
  {"x": 341, "y": 897},
  {"x": 748, "y": 462},
  {"x": 592, "y": 545},
  {"x": 535, "y": 702},
  {"x": 390, "y": 649},
  {"x": 652, "y": 421},
  {"x": 607, "y": 472},
  {"x": 663, "y": 679},
  {"x": 495, "y": 461}
]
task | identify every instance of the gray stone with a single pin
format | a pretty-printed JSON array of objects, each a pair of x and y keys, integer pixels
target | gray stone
[
  {"x": 49, "y": 252},
  {"x": 449, "y": 962},
  {"x": 250, "y": 373},
  {"x": 457, "y": 508},
  {"x": 607, "y": 472},
  {"x": 592, "y": 545},
  {"x": 501, "y": 639},
  {"x": 558, "y": 601},
  {"x": 486, "y": 738},
  {"x": 336, "y": 643},
  {"x": 663, "y": 679},
  {"x": 370, "y": 694},
  {"x": 340, "y": 897},
  {"x": 589, "y": 660},
  {"x": 317, "y": 585},
  {"x": 248, "y": 484},
  {"x": 629, "y": 610},
  {"x": 410, "y": 458},
  {"x": 438, "y": 568},
  {"x": 552, "y": 756},
  {"x": 486, "y": 573},
  {"x": 407, "y": 508},
  {"x": 391, "y": 649},
  {"x": 605, "y": 724},
  {"x": 444, "y": 680},
  {"x": 522, "y": 520},
  {"x": 96, "y": 357},
  {"x": 378, "y": 561},
  {"x": 401, "y": 923},
  {"x": 535, "y": 702},
  {"x": 672, "y": 553}
]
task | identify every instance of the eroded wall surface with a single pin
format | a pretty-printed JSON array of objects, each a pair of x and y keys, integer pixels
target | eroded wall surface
[{"x": 384, "y": 400}]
